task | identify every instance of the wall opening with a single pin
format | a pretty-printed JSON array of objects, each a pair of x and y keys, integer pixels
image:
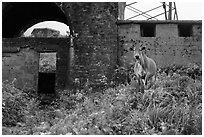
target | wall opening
[
  {"x": 47, "y": 73},
  {"x": 147, "y": 30},
  {"x": 185, "y": 30},
  {"x": 46, "y": 83}
]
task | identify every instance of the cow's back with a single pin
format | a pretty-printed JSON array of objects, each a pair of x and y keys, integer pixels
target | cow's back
[{"x": 152, "y": 67}]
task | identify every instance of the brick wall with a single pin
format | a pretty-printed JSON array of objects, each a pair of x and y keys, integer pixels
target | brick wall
[{"x": 95, "y": 46}]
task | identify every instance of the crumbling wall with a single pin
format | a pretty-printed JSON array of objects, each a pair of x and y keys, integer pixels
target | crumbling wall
[
  {"x": 20, "y": 60},
  {"x": 166, "y": 48},
  {"x": 21, "y": 68}
]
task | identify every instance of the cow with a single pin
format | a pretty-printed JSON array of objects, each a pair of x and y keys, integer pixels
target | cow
[
  {"x": 138, "y": 75},
  {"x": 145, "y": 68}
]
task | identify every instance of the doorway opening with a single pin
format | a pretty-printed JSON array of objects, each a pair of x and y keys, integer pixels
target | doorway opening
[
  {"x": 47, "y": 73},
  {"x": 46, "y": 83}
]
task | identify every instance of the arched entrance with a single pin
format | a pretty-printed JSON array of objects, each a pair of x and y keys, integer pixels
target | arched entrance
[{"x": 19, "y": 16}]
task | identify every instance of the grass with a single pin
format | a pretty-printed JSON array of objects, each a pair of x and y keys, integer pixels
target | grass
[{"x": 173, "y": 106}]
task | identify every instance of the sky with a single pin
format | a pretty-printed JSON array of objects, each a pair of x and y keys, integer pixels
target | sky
[
  {"x": 49, "y": 24},
  {"x": 186, "y": 11}
]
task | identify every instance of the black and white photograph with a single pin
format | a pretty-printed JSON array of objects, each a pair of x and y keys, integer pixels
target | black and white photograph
[{"x": 101, "y": 67}]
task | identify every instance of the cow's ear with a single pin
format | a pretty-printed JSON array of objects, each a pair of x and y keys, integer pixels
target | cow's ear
[
  {"x": 131, "y": 49},
  {"x": 143, "y": 48}
]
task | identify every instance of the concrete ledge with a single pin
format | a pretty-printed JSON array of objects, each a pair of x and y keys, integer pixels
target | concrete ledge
[{"x": 159, "y": 21}]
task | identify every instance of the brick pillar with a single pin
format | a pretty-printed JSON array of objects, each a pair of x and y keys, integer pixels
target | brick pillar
[{"x": 96, "y": 43}]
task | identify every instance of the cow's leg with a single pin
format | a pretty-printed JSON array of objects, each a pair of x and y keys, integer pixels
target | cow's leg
[
  {"x": 141, "y": 86},
  {"x": 151, "y": 81},
  {"x": 146, "y": 78}
]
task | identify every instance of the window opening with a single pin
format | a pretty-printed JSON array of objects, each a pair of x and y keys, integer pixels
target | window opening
[
  {"x": 185, "y": 30},
  {"x": 147, "y": 30}
]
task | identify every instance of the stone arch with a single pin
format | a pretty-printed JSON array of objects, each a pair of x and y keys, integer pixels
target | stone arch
[{"x": 19, "y": 16}]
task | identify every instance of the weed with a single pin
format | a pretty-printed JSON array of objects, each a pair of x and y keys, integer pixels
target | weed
[{"x": 173, "y": 106}]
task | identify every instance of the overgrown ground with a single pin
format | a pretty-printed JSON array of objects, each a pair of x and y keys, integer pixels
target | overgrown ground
[{"x": 173, "y": 106}]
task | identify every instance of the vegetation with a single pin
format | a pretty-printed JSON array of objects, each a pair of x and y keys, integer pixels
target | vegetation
[{"x": 172, "y": 106}]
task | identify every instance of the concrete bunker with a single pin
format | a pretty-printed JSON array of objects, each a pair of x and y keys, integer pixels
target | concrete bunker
[{"x": 168, "y": 42}]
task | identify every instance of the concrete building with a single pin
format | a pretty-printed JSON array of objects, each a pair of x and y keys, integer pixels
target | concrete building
[{"x": 168, "y": 42}]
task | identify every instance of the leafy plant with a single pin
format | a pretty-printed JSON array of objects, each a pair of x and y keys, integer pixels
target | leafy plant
[{"x": 172, "y": 106}]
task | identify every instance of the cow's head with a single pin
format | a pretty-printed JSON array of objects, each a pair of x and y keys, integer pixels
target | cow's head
[{"x": 139, "y": 53}]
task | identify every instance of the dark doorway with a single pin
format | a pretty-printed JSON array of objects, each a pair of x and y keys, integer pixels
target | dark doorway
[
  {"x": 46, "y": 83},
  {"x": 47, "y": 73}
]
